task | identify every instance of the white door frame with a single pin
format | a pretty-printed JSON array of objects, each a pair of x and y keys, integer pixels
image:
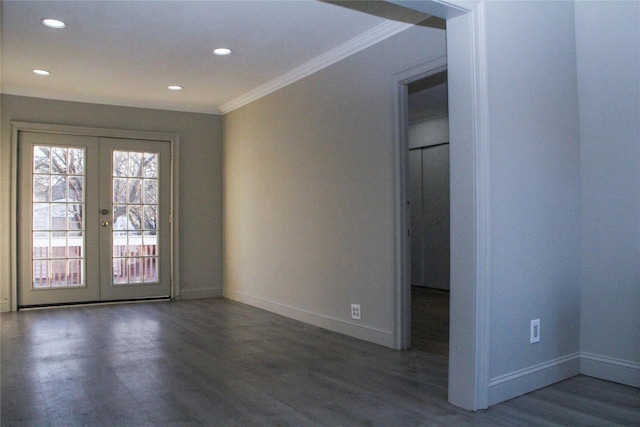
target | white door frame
[
  {"x": 470, "y": 199},
  {"x": 173, "y": 139}
]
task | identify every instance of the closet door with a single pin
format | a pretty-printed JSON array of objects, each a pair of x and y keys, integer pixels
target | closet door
[
  {"x": 416, "y": 226},
  {"x": 436, "y": 216},
  {"x": 430, "y": 216}
]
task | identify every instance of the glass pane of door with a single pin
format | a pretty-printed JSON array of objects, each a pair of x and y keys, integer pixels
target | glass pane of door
[
  {"x": 135, "y": 227},
  {"x": 57, "y": 216}
]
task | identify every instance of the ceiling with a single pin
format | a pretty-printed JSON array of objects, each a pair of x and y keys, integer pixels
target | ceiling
[{"x": 128, "y": 52}]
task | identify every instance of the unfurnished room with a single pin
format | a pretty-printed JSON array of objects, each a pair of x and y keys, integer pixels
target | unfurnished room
[{"x": 319, "y": 213}]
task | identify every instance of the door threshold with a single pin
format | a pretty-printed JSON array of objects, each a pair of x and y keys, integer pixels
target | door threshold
[{"x": 92, "y": 303}]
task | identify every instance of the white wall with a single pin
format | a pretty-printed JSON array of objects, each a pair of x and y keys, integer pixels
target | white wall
[
  {"x": 429, "y": 132},
  {"x": 200, "y": 178},
  {"x": 296, "y": 159},
  {"x": 309, "y": 206},
  {"x": 535, "y": 194},
  {"x": 608, "y": 47}
]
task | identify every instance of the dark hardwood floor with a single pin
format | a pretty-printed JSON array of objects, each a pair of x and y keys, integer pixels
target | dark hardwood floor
[
  {"x": 430, "y": 320},
  {"x": 218, "y": 363}
]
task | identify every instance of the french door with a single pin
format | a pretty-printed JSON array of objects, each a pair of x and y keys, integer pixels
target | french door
[{"x": 94, "y": 219}]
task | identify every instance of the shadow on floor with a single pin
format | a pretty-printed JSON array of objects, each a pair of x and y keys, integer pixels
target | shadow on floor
[{"x": 430, "y": 320}]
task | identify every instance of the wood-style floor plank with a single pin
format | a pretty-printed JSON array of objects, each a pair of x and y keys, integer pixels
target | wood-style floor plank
[
  {"x": 430, "y": 320},
  {"x": 219, "y": 363}
]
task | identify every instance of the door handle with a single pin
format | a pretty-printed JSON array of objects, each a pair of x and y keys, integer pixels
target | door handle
[{"x": 105, "y": 223}]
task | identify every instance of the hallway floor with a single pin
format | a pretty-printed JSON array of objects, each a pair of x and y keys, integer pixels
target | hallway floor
[
  {"x": 214, "y": 362},
  {"x": 430, "y": 320}
]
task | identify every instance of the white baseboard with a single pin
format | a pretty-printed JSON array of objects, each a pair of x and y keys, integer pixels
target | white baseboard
[
  {"x": 526, "y": 380},
  {"x": 200, "y": 293},
  {"x": 610, "y": 369},
  {"x": 356, "y": 330},
  {"x": 5, "y": 307}
]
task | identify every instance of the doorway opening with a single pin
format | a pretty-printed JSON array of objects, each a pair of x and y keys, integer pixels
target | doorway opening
[
  {"x": 95, "y": 209},
  {"x": 429, "y": 203}
]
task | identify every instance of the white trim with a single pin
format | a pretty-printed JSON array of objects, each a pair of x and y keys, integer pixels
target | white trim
[
  {"x": 175, "y": 215},
  {"x": 355, "y": 329},
  {"x": 402, "y": 250},
  {"x": 483, "y": 208},
  {"x": 526, "y": 380},
  {"x": 466, "y": 52},
  {"x": 353, "y": 46},
  {"x": 13, "y": 190},
  {"x": 402, "y": 254},
  {"x": 501, "y": 379},
  {"x": 440, "y": 8},
  {"x": 610, "y": 369},
  {"x": 91, "y": 131},
  {"x": 469, "y": 137},
  {"x": 402, "y": 257},
  {"x": 173, "y": 139}
]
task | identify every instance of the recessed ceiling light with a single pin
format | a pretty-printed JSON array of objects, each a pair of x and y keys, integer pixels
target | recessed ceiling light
[
  {"x": 222, "y": 51},
  {"x": 53, "y": 23},
  {"x": 174, "y": 87},
  {"x": 42, "y": 72}
]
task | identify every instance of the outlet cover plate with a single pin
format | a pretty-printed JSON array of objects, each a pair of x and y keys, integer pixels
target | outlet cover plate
[
  {"x": 535, "y": 331},
  {"x": 355, "y": 311}
]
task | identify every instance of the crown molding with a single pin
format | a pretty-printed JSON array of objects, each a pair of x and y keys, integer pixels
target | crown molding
[
  {"x": 355, "y": 45},
  {"x": 105, "y": 100}
]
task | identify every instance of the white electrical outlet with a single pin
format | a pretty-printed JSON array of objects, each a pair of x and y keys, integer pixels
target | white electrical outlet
[
  {"x": 535, "y": 331},
  {"x": 355, "y": 311}
]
